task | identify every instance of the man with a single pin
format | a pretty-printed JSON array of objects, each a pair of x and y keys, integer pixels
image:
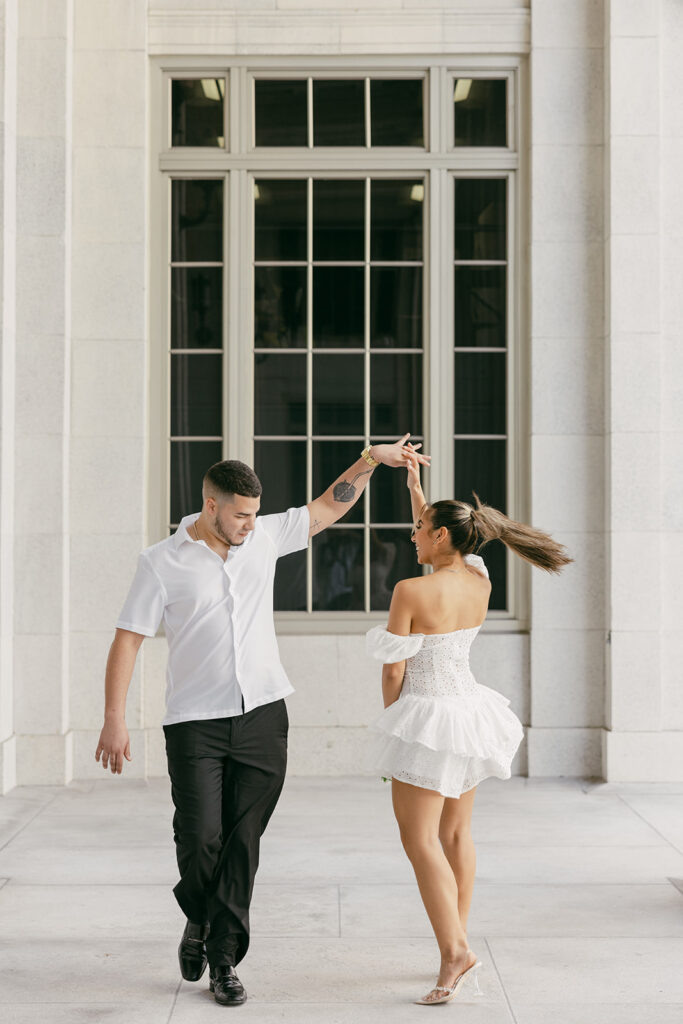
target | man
[{"x": 226, "y": 721}]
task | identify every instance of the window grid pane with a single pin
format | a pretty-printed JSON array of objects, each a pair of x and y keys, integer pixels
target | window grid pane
[
  {"x": 480, "y": 355},
  {"x": 480, "y": 112},
  {"x": 391, "y": 309},
  {"x": 198, "y": 112},
  {"x": 363, "y": 350},
  {"x": 339, "y": 112},
  {"x": 195, "y": 344}
]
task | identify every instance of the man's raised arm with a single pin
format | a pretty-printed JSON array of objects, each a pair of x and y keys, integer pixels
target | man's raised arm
[{"x": 347, "y": 489}]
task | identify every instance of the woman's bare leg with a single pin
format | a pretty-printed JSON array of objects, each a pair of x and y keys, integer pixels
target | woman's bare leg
[
  {"x": 455, "y": 834},
  {"x": 418, "y": 813}
]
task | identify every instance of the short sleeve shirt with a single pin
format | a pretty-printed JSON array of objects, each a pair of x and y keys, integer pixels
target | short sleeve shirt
[{"x": 223, "y": 657}]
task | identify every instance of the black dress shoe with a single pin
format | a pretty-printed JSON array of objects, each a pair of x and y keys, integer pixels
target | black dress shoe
[
  {"x": 227, "y": 988},
  {"x": 192, "y": 951}
]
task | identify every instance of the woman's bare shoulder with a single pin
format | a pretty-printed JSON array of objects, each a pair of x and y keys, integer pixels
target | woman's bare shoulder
[
  {"x": 408, "y": 584},
  {"x": 477, "y": 574}
]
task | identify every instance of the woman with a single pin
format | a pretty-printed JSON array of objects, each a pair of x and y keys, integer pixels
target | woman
[{"x": 441, "y": 732}]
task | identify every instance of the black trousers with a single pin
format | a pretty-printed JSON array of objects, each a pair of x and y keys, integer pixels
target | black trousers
[{"x": 226, "y": 778}]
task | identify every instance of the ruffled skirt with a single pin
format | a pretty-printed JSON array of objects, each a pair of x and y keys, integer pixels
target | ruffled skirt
[{"x": 448, "y": 744}]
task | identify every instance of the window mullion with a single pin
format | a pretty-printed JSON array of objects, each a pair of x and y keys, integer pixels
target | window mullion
[
  {"x": 514, "y": 407},
  {"x": 309, "y": 361},
  {"x": 441, "y": 331},
  {"x": 366, "y": 379},
  {"x": 433, "y": 106}
]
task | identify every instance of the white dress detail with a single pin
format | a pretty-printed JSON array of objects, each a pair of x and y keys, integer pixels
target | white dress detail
[{"x": 446, "y": 731}]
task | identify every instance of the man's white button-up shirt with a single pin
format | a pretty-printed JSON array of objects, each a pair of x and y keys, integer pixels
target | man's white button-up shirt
[{"x": 223, "y": 657}]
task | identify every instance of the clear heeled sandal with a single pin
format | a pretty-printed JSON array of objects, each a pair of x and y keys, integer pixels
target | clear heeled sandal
[{"x": 446, "y": 994}]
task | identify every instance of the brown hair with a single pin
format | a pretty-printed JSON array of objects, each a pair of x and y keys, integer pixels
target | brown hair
[
  {"x": 225, "y": 479},
  {"x": 472, "y": 527}
]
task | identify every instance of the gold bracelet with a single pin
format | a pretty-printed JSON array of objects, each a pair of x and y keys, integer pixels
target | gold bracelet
[{"x": 365, "y": 454}]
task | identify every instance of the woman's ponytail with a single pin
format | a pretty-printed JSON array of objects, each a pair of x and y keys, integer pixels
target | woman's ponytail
[{"x": 531, "y": 544}]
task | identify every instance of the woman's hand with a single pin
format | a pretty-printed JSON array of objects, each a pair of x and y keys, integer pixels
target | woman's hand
[{"x": 413, "y": 468}]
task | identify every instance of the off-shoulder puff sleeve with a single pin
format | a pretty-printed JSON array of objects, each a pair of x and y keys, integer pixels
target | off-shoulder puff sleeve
[
  {"x": 477, "y": 562},
  {"x": 384, "y": 646}
]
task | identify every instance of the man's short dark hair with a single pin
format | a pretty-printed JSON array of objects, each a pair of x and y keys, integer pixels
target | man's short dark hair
[{"x": 225, "y": 479}]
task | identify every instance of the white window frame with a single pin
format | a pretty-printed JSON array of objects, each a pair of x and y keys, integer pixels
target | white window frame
[{"x": 438, "y": 162}]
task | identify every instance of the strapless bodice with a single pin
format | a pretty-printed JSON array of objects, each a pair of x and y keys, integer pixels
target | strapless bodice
[{"x": 441, "y": 665}]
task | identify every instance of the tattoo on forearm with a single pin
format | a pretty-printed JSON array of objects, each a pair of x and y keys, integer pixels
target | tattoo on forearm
[
  {"x": 315, "y": 525},
  {"x": 345, "y": 491}
]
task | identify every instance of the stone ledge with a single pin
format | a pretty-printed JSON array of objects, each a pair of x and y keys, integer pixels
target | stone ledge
[
  {"x": 340, "y": 31},
  {"x": 564, "y": 752},
  {"x": 643, "y": 756}
]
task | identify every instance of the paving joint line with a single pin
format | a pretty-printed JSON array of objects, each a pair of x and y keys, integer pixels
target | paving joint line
[
  {"x": 27, "y": 823},
  {"x": 650, "y": 825},
  {"x": 495, "y": 967},
  {"x": 173, "y": 1004}
]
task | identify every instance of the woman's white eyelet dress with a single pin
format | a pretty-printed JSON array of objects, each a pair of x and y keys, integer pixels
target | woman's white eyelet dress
[{"x": 446, "y": 731}]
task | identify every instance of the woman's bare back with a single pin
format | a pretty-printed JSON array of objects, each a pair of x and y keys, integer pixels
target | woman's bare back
[{"x": 445, "y": 601}]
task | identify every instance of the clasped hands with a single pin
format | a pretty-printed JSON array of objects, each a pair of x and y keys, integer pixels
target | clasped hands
[{"x": 400, "y": 453}]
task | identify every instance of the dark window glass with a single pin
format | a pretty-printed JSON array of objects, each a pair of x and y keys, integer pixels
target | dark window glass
[
  {"x": 197, "y": 220},
  {"x": 396, "y": 307},
  {"x": 480, "y": 466},
  {"x": 281, "y": 468},
  {"x": 280, "y": 307},
  {"x": 330, "y": 459},
  {"x": 197, "y": 112},
  {"x": 289, "y": 588},
  {"x": 196, "y": 395},
  {"x": 480, "y": 112},
  {"x": 337, "y": 394},
  {"x": 480, "y": 307},
  {"x": 280, "y": 220},
  {"x": 395, "y": 394},
  {"x": 338, "y": 307},
  {"x": 196, "y": 307},
  {"x": 189, "y": 462},
  {"x": 279, "y": 394},
  {"x": 392, "y": 558},
  {"x": 396, "y": 112},
  {"x": 338, "y": 220},
  {"x": 339, "y": 113},
  {"x": 480, "y": 218},
  {"x": 281, "y": 112},
  {"x": 389, "y": 497},
  {"x": 396, "y": 220},
  {"x": 338, "y": 583},
  {"x": 480, "y": 393},
  {"x": 495, "y": 557}
]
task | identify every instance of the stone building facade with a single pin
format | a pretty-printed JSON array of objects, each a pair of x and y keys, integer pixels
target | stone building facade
[{"x": 591, "y": 660}]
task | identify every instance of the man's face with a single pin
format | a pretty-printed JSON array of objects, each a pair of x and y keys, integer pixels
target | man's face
[{"x": 233, "y": 520}]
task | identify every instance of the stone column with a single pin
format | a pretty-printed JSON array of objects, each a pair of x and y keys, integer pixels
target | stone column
[
  {"x": 671, "y": 390},
  {"x": 8, "y": 103},
  {"x": 567, "y": 612},
  {"x": 108, "y": 472},
  {"x": 644, "y": 518},
  {"x": 41, "y": 510}
]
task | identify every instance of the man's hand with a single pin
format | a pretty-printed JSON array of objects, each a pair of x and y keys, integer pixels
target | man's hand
[
  {"x": 395, "y": 454},
  {"x": 114, "y": 745}
]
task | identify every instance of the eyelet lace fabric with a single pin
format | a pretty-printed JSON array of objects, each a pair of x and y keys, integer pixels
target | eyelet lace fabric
[{"x": 446, "y": 732}]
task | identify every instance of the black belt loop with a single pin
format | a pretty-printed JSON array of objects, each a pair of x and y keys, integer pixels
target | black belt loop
[{"x": 242, "y": 703}]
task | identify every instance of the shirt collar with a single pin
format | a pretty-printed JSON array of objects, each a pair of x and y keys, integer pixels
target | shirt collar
[{"x": 182, "y": 534}]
